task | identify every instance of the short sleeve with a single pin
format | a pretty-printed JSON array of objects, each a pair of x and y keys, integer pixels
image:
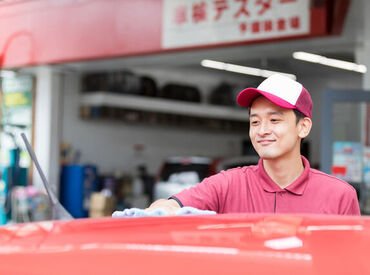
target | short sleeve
[
  {"x": 351, "y": 205},
  {"x": 207, "y": 195}
]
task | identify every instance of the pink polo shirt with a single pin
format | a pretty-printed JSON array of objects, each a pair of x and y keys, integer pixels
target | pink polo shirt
[{"x": 250, "y": 190}]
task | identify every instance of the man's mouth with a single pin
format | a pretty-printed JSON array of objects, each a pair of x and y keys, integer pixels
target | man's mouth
[{"x": 265, "y": 141}]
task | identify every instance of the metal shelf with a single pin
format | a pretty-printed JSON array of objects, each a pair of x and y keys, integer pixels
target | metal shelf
[{"x": 101, "y": 98}]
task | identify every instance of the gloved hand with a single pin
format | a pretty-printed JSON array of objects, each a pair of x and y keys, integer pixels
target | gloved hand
[{"x": 137, "y": 212}]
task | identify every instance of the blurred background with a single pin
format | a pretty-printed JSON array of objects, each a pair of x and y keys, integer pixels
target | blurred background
[{"x": 126, "y": 101}]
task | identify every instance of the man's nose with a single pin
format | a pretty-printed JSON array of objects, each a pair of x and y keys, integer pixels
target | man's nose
[{"x": 264, "y": 128}]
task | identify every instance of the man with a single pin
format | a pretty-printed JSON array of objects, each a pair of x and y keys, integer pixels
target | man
[{"x": 282, "y": 182}]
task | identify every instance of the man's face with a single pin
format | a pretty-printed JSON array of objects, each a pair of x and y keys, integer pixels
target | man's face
[{"x": 273, "y": 130}]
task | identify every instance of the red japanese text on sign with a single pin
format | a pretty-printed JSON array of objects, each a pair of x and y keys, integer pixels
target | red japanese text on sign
[
  {"x": 199, "y": 12},
  {"x": 267, "y": 25},
  {"x": 265, "y": 5},
  {"x": 287, "y": 1},
  {"x": 281, "y": 24},
  {"x": 256, "y": 27},
  {"x": 198, "y": 22},
  {"x": 220, "y": 6},
  {"x": 180, "y": 15},
  {"x": 242, "y": 9},
  {"x": 243, "y": 27},
  {"x": 295, "y": 22}
]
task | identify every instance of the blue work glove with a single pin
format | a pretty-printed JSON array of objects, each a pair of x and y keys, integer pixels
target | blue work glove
[{"x": 137, "y": 212}]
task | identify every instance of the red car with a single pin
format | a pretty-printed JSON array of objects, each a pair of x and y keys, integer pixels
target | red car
[{"x": 214, "y": 244}]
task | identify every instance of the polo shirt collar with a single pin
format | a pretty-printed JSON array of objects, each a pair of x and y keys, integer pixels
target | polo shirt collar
[{"x": 297, "y": 187}]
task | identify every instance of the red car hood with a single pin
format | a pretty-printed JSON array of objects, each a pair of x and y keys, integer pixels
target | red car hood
[{"x": 219, "y": 244}]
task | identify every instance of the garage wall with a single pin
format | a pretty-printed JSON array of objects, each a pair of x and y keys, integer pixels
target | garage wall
[{"x": 111, "y": 145}]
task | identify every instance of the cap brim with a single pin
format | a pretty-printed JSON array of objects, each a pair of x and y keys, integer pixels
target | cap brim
[{"x": 247, "y": 96}]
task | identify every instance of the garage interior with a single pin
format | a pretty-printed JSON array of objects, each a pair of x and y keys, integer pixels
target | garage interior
[{"x": 121, "y": 141}]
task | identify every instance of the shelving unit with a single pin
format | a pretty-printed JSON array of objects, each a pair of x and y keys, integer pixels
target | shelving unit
[
  {"x": 148, "y": 104},
  {"x": 162, "y": 112}
]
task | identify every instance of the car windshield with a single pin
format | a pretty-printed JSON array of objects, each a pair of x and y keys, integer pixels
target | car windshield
[{"x": 185, "y": 172}]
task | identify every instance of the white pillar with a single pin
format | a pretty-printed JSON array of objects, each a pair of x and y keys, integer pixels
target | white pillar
[
  {"x": 47, "y": 125},
  {"x": 362, "y": 54}
]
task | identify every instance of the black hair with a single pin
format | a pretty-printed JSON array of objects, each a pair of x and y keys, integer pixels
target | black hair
[{"x": 298, "y": 115}]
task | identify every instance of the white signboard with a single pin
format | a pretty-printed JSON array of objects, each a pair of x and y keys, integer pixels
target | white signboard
[{"x": 200, "y": 22}]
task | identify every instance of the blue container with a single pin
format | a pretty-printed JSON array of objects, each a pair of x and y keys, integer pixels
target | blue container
[
  {"x": 3, "y": 193},
  {"x": 77, "y": 184},
  {"x": 11, "y": 176}
]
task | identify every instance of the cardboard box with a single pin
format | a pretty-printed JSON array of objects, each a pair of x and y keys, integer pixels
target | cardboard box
[
  {"x": 99, "y": 214},
  {"x": 101, "y": 205}
]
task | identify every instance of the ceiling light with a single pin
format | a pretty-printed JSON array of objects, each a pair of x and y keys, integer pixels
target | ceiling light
[
  {"x": 315, "y": 58},
  {"x": 241, "y": 69}
]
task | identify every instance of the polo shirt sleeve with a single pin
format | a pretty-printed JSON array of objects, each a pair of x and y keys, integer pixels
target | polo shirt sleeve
[
  {"x": 207, "y": 195},
  {"x": 350, "y": 205}
]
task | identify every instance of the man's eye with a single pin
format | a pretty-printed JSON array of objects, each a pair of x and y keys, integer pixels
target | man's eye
[
  {"x": 275, "y": 120},
  {"x": 254, "y": 122}
]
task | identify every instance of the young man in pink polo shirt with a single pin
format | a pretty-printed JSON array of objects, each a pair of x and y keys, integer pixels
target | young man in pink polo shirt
[{"x": 282, "y": 182}]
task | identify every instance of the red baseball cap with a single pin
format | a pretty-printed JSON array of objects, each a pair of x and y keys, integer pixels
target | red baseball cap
[{"x": 280, "y": 90}]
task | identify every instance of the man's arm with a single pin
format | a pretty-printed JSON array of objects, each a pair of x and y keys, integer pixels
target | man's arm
[
  {"x": 170, "y": 206},
  {"x": 203, "y": 196}
]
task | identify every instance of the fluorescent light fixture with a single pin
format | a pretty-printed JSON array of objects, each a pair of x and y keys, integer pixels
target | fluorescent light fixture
[
  {"x": 241, "y": 69},
  {"x": 315, "y": 58},
  {"x": 7, "y": 73}
]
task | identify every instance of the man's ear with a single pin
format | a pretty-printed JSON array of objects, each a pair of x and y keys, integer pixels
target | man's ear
[{"x": 304, "y": 127}]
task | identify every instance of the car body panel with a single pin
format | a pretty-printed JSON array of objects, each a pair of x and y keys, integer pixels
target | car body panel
[{"x": 214, "y": 244}]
